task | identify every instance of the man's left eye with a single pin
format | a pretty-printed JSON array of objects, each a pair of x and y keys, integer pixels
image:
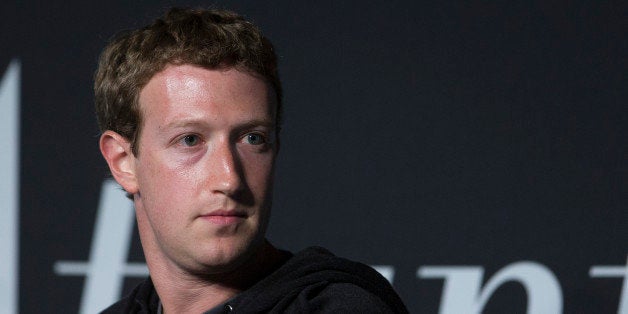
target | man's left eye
[{"x": 255, "y": 139}]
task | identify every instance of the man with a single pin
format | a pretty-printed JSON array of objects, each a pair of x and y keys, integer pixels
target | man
[{"x": 190, "y": 109}]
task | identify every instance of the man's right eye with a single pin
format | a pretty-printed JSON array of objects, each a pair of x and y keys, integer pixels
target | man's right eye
[{"x": 190, "y": 140}]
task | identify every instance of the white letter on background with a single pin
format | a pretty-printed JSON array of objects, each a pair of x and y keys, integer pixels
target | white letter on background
[
  {"x": 461, "y": 291},
  {"x": 9, "y": 188},
  {"x": 603, "y": 271},
  {"x": 107, "y": 264}
]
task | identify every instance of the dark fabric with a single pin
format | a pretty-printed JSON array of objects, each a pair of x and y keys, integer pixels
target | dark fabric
[
  {"x": 313, "y": 280},
  {"x": 142, "y": 300}
]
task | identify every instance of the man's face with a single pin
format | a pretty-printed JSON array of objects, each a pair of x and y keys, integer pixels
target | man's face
[{"x": 204, "y": 168}]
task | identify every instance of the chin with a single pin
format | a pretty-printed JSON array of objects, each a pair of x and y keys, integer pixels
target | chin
[{"x": 227, "y": 256}]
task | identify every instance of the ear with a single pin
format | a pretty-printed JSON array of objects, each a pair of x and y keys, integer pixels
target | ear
[{"x": 117, "y": 152}]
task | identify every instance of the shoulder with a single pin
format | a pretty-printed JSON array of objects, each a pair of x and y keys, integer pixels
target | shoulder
[
  {"x": 315, "y": 280},
  {"x": 126, "y": 305},
  {"x": 143, "y": 299},
  {"x": 122, "y": 306},
  {"x": 342, "y": 298}
]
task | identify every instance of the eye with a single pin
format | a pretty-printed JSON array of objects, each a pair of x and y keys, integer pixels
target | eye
[
  {"x": 255, "y": 139},
  {"x": 190, "y": 140}
]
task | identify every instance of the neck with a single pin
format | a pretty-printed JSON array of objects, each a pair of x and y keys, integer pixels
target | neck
[{"x": 182, "y": 292}]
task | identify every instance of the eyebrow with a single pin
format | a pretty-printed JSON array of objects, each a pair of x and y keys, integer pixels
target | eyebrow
[
  {"x": 203, "y": 123},
  {"x": 181, "y": 124},
  {"x": 255, "y": 123}
]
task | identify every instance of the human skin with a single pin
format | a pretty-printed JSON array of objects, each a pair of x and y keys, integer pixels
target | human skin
[{"x": 202, "y": 179}]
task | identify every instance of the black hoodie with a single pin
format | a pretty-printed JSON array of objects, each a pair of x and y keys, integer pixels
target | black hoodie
[{"x": 313, "y": 280}]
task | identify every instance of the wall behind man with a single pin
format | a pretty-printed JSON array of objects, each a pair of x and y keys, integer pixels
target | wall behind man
[{"x": 417, "y": 135}]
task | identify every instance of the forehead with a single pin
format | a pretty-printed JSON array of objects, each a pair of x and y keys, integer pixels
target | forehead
[{"x": 187, "y": 91}]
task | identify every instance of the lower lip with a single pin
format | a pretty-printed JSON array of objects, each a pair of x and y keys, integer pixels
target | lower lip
[{"x": 223, "y": 220}]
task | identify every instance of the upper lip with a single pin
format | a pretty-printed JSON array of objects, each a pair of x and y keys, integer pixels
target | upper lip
[{"x": 226, "y": 213}]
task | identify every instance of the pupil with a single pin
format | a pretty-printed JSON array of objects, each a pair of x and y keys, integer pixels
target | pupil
[
  {"x": 190, "y": 140},
  {"x": 253, "y": 138}
]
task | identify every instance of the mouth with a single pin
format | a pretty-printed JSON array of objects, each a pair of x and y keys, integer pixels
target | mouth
[{"x": 224, "y": 217}]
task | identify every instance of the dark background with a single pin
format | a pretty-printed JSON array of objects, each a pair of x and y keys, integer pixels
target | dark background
[{"x": 470, "y": 133}]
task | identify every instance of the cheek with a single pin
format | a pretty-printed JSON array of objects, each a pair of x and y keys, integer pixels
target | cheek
[
  {"x": 163, "y": 179},
  {"x": 259, "y": 172}
]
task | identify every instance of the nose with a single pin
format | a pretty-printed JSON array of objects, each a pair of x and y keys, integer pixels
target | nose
[{"x": 226, "y": 170}]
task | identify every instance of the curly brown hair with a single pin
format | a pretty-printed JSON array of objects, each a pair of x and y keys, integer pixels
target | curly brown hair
[{"x": 207, "y": 38}]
